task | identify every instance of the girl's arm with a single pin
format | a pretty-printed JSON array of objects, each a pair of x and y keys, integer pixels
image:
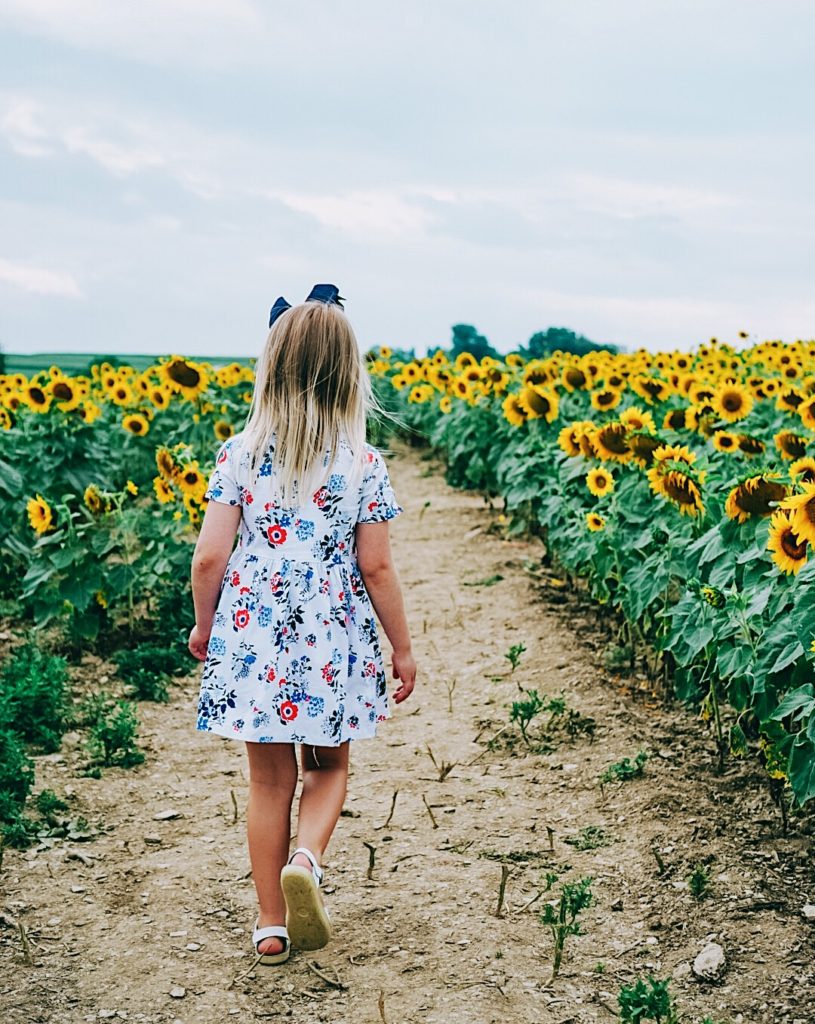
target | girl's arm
[
  {"x": 212, "y": 551},
  {"x": 382, "y": 583}
]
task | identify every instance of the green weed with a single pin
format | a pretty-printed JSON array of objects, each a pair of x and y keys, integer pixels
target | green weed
[
  {"x": 513, "y": 655},
  {"x": 622, "y": 771},
  {"x": 699, "y": 881},
  {"x": 590, "y": 837},
  {"x": 561, "y": 917},
  {"x": 112, "y": 737},
  {"x": 647, "y": 1001},
  {"x": 33, "y": 696}
]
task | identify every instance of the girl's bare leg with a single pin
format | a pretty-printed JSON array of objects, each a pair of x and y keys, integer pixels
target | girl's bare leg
[
  {"x": 325, "y": 783},
  {"x": 272, "y": 781}
]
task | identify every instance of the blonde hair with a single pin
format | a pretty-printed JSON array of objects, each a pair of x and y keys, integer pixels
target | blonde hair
[{"x": 312, "y": 390}]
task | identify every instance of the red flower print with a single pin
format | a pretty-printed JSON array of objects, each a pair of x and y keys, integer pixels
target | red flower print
[
  {"x": 275, "y": 535},
  {"x": 223, "y": 456},
  {"x": 319, "y": 497},
  {"x": 373, "y": 505},
  {"x": 270, "y": 675},
  {"x": 288, "y": 711},
  {"x": 236, "y": 579},
  {"x": 267, "y": 506},
  {"x": 328, "y": 673},
  {"x": 248, "y": 499},
  {"x": 244, "y": 590},
  {"x": 241, "y": 617}
]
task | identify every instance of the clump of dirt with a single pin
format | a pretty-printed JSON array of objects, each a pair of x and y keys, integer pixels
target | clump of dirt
[{"x": 151, "y": 920}]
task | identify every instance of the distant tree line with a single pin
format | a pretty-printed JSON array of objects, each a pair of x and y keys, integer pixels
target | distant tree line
[{"x": 543, "y": 343}]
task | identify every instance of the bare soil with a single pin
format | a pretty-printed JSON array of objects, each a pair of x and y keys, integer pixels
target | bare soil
[{"x": 154, "y": 923}]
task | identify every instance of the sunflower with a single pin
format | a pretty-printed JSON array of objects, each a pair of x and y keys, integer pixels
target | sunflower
[
  {"x": 191, "y": 480},
  {"x": 513, "y": 359},
  {"x": 121, "y": 394},
  {"x": 802, "y": 507},
  {"x": 539, "y": 402},
  {"x": 135, "y": 423},
  {"x": 398, "y": 381},
  {"x": 164, "y": 492},
  {"x": 574, "y": 379},
  {"x": 610, "y": 442},
  {"x": 445, "y": 404},
  {"x": 755, "y": 496},
  {"x": 643, "y": 445},
  {"x": 803, "y": 470},
  {"x": 652, "y": 389},
  {"x": 514, "y": 413},
  {"x": 37, "y": 398},
  {"x": 472, "y": 374},
  {"x": 567, "y": 439},
  {"x": 789, "y": 399},
  {"x": 165, "y": 463},
  {"x": 677, "y": 486},
  {"x": 6, "y": 422},
  {"x": 675, "y": 419},
  {"x": 40, "y": 515},
  {"x": 93, "y": 500},
  {"x": 223, "y": 429},
  {"x": 66, "y": 394},
  {"x": 607, "y": 398},
  {"x": 160, "y": 397},
  {"x": 536, "y": 372},
  {"x": 806, "y": 410},
  {"x": 751, "y": 445},
  {"x": 791, "y": 445},
  {"x": 185, "y": 376},
  {"x": 637, "y": 419},
  {"x": 725, "y": 441},
  {"x": 584, "y": 435},
  {"x": 600, "y": 482},
  {"x": 461, "y": 389},
  {"x": 385, "y": 352},
  {"x": 789, "y": 552},
  {"x": 465, "y": 359},
  {"x": 675, "y": 453},
  {"x": 594, "y": 522},
  {"x": 731, "y": 401}
]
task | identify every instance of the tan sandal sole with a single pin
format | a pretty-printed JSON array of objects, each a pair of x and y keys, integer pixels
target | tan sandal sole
[{"x": 306, "y": 920}]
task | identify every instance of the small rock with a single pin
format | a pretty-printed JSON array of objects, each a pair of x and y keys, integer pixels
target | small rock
[
  {"x": 78, "y": 888},
  {"x": 617, "y": 905},
  {"x": 152, "y": 840},
  {"x": 178, "y": 992},
  {"x": 681, "y": 971},
  {"x": 178, "y": 935},
  {"x": 710, "y": 963},
  {"x": 104, "y": 1014},
  {"x": 808, "y": 911},
  {"x": 193, "y": 947},
  {"x": 167, "y": 815}
]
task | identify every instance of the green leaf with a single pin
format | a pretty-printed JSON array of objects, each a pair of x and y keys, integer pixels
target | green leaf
[
  {"x": 791, "y": 653},
  {"x": 802, "y": 697}
]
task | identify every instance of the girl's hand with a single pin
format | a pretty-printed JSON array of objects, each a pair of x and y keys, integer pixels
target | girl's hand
[
  {"x": 404, "y": 669},
  {"x": 198, "y": 643}
]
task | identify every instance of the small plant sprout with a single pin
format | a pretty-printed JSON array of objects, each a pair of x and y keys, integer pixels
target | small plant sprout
[
  {"x": 622, "y": 771},
  {"x": 561, "y": 915},
  {"x": 450, "y": 685},
  {"x": 699, "y": 881},
  {"x": 523, "y": 711},
  {"x": 647, "y": 1001},
  {"x": 513, "y": 656},
  {"x": 590, "y": 837}
]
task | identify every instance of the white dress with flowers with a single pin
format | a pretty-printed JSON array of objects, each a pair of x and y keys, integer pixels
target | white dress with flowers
[{"x": 294, "y": 654}]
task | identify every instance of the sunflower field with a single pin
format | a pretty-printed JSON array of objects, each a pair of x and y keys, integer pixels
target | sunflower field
[{"x": 681, "y": 488}]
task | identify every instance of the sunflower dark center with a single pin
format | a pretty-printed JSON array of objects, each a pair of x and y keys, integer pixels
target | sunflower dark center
[
  {"x": 757, "y": 500},
  {"x": 575, "y": 377},
  {"x": 732, "y": 401},
  {"x": 613, "y": 438},
  {"x": 37, "y": 395},
  {"x": 184, "y": 374},
  {"x": 791, "y": 546},
  {"x": 63, "y": 391}
]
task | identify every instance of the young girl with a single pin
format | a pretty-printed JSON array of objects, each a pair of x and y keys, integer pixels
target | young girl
[{"x": 285, "y": 623}]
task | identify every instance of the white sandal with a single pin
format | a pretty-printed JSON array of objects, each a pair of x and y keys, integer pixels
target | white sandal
[
  {"x": 307, "y": 919},
  {"x": 272, "y": 931}
]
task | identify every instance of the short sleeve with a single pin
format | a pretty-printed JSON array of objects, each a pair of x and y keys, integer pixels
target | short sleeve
[
  {"x": 377, "y": 500},
  {"x": 222, "y": 485}
]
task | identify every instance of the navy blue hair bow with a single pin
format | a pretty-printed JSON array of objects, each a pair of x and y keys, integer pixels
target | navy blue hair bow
[{"x": 328, "y": 293}]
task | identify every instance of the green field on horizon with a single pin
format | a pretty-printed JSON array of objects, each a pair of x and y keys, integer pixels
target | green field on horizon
[{"x": 80, "y": 362}]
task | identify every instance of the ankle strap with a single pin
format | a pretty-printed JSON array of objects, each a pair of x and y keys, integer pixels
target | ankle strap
[{"x": 315, "y": 867}]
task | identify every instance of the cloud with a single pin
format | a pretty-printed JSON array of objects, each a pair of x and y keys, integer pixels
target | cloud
[
  {"x": 208, "y": 32},
  {"x": 39, "y": 281}
]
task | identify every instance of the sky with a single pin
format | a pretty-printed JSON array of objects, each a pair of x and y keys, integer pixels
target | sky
[{"x": 638, "y": 171}]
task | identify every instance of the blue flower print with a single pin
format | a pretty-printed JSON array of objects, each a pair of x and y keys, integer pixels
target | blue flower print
[
  {"x": 217, "y": 645},
  {"x": 304, "y": 528}
]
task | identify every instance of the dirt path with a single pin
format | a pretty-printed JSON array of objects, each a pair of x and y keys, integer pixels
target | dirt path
[{"x": 166, "y": 906}]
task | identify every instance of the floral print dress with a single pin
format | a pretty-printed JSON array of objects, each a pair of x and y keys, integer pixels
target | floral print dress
[{"x": 294, "y": 654}]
